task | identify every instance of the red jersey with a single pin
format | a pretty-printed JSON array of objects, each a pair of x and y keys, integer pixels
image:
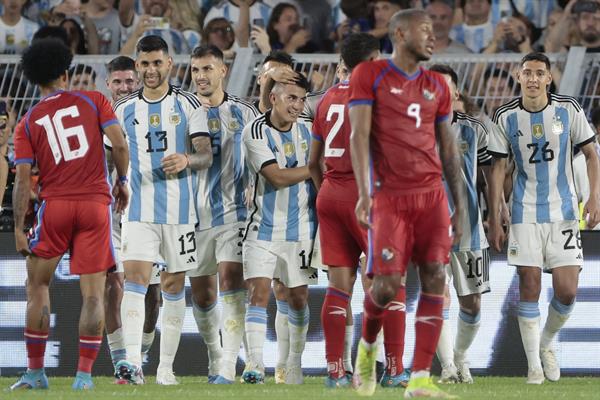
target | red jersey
[
  {"x": 331, "y": 126},
  {"x": 405, "y": 111},
  {"x": 62, "y": 134}
]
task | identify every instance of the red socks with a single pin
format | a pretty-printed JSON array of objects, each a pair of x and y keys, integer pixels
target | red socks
[
  {"x": 394, "y": 325},
  {"x": 428, "y": 326},
  {"x": 35, "y": 342},
  {"x": 372, "y": 319},
  {"x": 333, "y": 318},
  {"x": 88, "y": 351}
]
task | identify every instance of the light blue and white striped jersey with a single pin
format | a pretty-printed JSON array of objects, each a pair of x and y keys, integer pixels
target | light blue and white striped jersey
[
  {"x": 472, "y": 142},
  {"x": 225, "y": 9},
  {"x": 541, "y": 144},
  {"x": 537, "y": 11},
  {"x": 220, "y": 194},
  {"x": 285, "y": 214},
  {"x": 153, "y": 131},
  {"x": 475, "y": 37}
]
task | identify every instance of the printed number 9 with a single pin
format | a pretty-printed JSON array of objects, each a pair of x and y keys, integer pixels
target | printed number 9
[{"x": 414, "y": 110}]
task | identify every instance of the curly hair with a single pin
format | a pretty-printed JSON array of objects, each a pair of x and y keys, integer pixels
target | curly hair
[{"x": 45, "y": 61}]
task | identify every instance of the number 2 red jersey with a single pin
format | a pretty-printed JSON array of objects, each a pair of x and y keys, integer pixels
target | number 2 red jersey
[
  {"x": 405, "y": 111},
  {"x": 331, "y": 126},
  {"x": 62, "y": 135}
]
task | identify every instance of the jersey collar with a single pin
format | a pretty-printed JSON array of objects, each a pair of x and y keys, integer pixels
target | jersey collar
[
  {"x": 141, "y": 95},
  {"x": 533, "y": 112}
]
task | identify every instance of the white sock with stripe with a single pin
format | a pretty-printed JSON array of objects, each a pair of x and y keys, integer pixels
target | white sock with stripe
[
  {"x": 132, "y": 320},
  {"x": 234, "y": 314},
  {"x": 171, "y": 323}
]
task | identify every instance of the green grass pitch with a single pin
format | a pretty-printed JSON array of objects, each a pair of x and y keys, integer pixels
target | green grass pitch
[{"x": 197, "y": 388}]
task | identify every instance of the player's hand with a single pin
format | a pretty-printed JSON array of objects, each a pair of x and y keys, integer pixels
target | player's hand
[
  {"x": 456, "y": 227},
  {"x": 496, "y": 235},
  {"x": 285, "y": 75},
  {"x": 22, "y": 243},
  {"x": 363, "y": 210},
  {"x": 591, "y": 212},
  {"x": 174, "y": 163},
  {"x": 121, "y": 195}
]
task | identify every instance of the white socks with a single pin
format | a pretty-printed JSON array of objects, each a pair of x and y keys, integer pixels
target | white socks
[
  {"x": 234, "y": 313},
  {"x": 282, "y": 332},
  {"x": 467, "y": 328},
  {"x": 558, "y": 314},
  {"x": 298, "y": 328},
  {"x": 256, "y": 332},
  {"x": 445, "y": 351},
  {"x": 348, "y": 342},
  {"x": 208, "y": 321},
  {"x": 147, "y": 340},
  {"x": 529, "y": 325},
  {"x": 173, "y": 314},
  {"x": 116, "y": 346},
  {"x": 132, "y": 320}
]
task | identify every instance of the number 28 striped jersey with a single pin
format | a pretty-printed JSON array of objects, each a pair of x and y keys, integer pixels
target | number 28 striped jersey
[
  {"x": 154, "y": 130},
  {"x": 542, "y": 146}
]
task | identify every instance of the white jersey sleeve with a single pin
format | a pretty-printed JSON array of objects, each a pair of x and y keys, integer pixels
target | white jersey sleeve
[
  {"x": 499, "y": 144},
  {"x": 258, "y": 152}
]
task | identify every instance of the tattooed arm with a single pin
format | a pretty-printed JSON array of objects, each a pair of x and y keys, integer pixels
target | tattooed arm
[
  {"x": 200, "y": 158},
  {"x": 21, "y": 194}
]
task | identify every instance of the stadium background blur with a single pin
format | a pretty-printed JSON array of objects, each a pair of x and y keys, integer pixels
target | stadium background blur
[{"x": 568, "y": 30}]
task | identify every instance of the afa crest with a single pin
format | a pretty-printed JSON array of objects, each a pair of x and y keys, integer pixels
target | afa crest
[
  {"x": 154, "y": 120},
  {"x": 288, "y": 149},
  {"x": 537, "y": 130},
  {"x": 234, "y": 125},
  {"x": 175, "y": 118},
  {"x": 214, "y": 125},
  {"x": 464, "y": 146},
  {"x": 304, "y": 146}
]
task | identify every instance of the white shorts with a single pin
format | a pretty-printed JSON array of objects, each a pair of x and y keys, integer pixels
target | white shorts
[
  {"x": 157, "y": 267},
  {"x": 218, "y": 244},
  {"x": 176, "y": 244},
  {"x": 548, "y": 245},
  {"x": 287, "y": 261},
  {"x": 470, "y": 271}
]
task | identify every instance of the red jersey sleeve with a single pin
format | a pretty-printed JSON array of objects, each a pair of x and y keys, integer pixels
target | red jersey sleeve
[
  {"x": 317, "y": 133},
  {"x": 445, "y": 102},
  {"x": 106, "y": 115},
  {"x": 362, "y": 83},
  {"x": 23, "y": 148}
]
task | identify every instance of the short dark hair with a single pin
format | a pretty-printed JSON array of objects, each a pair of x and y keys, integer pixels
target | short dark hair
[
  {"x": 280, "y": 57},
  {"x": 357, "y": 47},
  {"x": 207, "y": 50},
  {"x": 151, "y": 43},
  {"x": 57, "y": 32},
  {"x": 445, "y": 70},
  {"x": 45, "y": 61},
  {"x": 80, "y": 69},
  {"x": 120, "y": 63},
  {"x": 536, "y": 56},
  {"x": 301, "y": 81}
]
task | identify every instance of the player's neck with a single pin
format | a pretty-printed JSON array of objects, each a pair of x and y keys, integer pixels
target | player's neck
[
  {"x": 279, "y": 123},
  {"x": 535, "y": 104},
  {"x": 48, "y": 90},
  {"x": 409, "y": 65},
  {"x": 215, "y": 99},
  {"x": 158, "y": 93},
  {"x": 11, "y": 19}
]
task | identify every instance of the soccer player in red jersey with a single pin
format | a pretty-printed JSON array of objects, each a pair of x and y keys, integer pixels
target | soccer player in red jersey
[
  {"x": 400, "y": 116},
  {"x": 62, "y": 135}
]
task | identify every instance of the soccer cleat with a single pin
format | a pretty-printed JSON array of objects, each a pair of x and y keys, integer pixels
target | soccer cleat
[
  {"x": 364, "y": 372},
  {"x": 293, "y": 375},
  {"x": 31, "y": 379},
  {"x": 535, "y": 376},
  {"x": 449, "y": 374},
  {"x": 334, "y": 383},
  {"x": 424, "y": 387},
  {"x": 213, "y": 369},
  {"x": 463, "y": 372},
  {"x": 211, "y": 378},
  {"x": 166, "y": 377},
  {"x": 280, "y": 375},
  {"x": 254, "y": 374},
  {"x": 83, "y": 381},
  {"x": 551, "y": 368},
  {"x": 391, "y": 381},
  {"x": 220, "y": 380},
  {"x": 129, "y": 372}
]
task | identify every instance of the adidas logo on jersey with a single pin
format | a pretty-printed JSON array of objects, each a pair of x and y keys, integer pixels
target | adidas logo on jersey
[{"x": 190, "y": 260}]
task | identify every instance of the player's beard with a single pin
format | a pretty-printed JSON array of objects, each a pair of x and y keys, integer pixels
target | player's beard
[
  {"x": 418, "y": 55},
  {"x": 159, "y": 79}
]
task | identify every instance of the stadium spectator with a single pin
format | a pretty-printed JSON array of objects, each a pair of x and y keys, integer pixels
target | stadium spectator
[
  {"x": 219, "y": 32},
  {"x": 536, "y": 11},
  {"x": 352, "y": 17},
  {"x": 382, "y": 11},
  {"x": 582, "y": 17},
  {"x": 277, "y": 66},
  {"x": 477, "y": 29},
  {"x": 230, "y": 10},
  {"x": 82, "y": 77},
  {"x": 512, "y": 35},
  {"x": 317, "y": 19},
  {"x": 286, "y": 32},
  {"x": 442, "y": 15},
  {"x": 106, "y": 20},
  {"x": 83, "y": 38},
  {"x": 51, "y": 31},
  {"x": 5, "y": 130},
  {"x": 186, "y": 17},
  {"x": 499, "y": 88},
  {"x": 16, "y": 31}
]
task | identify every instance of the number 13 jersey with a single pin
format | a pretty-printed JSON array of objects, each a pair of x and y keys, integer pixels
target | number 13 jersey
[
  {"x": 541, "y": 144},
  {"x": 405, "y": 111},
  {"x": 154, "y": 130}
]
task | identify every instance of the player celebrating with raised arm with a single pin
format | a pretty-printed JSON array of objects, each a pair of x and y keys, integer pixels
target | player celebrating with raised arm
[
  {"x": 540, "y": 130},
  {"x": 400, "y": 116},
  {"x": 282, "y": 224},
  {"x": 159, "y": 121},
  {"x": 62, "y": 135},
  {"x": 221, "y": 206},
  {"x": 342, "y": 239}
]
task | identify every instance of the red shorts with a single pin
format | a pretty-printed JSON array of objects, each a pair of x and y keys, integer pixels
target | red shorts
[
  {"x": 405, "y": 227},
  {"x": 342, "y": 238},
  {"x": 81, "y": 227}
]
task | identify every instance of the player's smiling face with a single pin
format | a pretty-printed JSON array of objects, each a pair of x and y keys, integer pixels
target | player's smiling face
[
  {"x": 534, "y": 78},
  {"x": 420, "y": 39},
  {"x": 122, "y": 83},
  {"x": 208, "y": 73},
  {"x": 153, "y": 67},
  {"x": 288, "y": 102}
]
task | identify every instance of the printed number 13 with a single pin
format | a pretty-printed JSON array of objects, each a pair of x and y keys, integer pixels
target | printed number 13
[{"x": 414, "y": 110}]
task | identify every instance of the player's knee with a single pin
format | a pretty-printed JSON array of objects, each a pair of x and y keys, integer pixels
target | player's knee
[
  {"x": 566, "y": 295},
  {"x": 470, "y": 304},
  {"x": 298, "y": 297}
]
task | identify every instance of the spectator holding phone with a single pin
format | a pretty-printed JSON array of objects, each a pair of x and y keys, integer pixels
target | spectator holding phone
[
  {"x": 219, "y": 32},
  {"x": 286, "y": 32},
  {"x": 512, "y": 35}
]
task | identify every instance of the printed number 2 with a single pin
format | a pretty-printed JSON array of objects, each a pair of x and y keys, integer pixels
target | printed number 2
[
  {"x": 414, "y": 110},
  {"x": 335, "y": 129},
  {"x": 58, "y": 136},
  {"x": 569, "y": 241}
]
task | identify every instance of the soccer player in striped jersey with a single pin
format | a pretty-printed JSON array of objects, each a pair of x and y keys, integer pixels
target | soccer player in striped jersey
[
  {"x": 469, "y": 259},
  {"x": 222, "y": 211},
  {"x": 159, "y": 121},
  {"x": 540, "y": 131},
  {"x": 281, "y": 226}
]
